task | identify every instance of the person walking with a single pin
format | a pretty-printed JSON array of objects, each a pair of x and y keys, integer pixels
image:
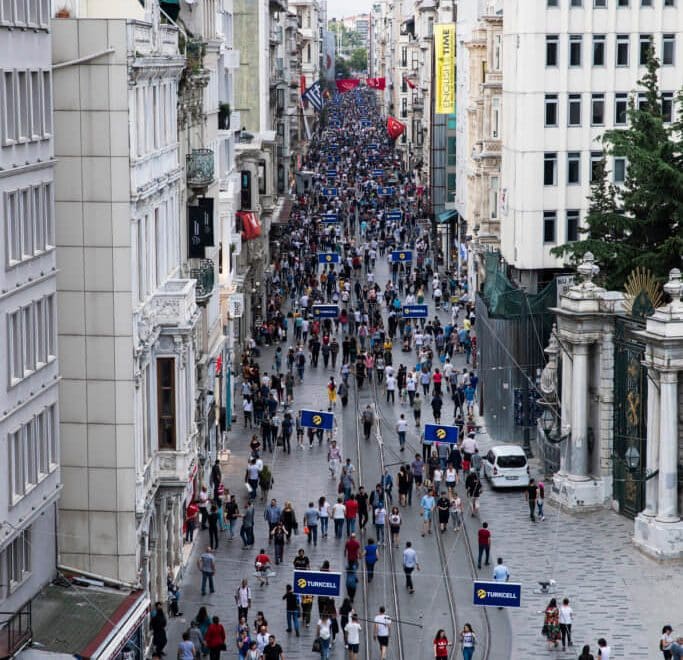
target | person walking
[
  {"x": 323, "y": 633},
  {"x": 530, "y": 495},
  {"x": 395, "y": 525},
  {"x": 410, "y": 563},
  {"x": 323, "y": 516},
  {"x": 484, "y": 541},
  {"x": 371, "y": 555},
  {"x": 350, "y": 514},
  {"x": 401, "y": 429},
  {"x": 551, "y": 624},
  {"x": 474, "y": 488},
  {"x": 427, "y": 503},
  {"x": 279, "y": 536},
  {"x": 292, "y": 609},
  {"x": 338, "y": 516},
  {"x": 213, "y": 527},
  {"x": 586, "y": 653},
  {"x": 456, "y": 512},
  {"x": 368, "y": 419},
  {"x": 380, "y": 520},
  {"x": 666, "y": 641},
  {"x": 272, "y": 650},
  {"x": 311, "y": 518},
  {"x": 467, "y": 641},
  {"x": 157, "y": 624},
  {"x": 352, "y": 630},
  {"x": 605, "y": 651},
  {"x": 441, "y": 645},
  {"x": 390, "y": 384},
  {"x": 272, "y": 514},
  {"x": 565, "y": 618},
  {"x": 215, "y": 639},
  {"x": 243, "y": 599},
  {"x": 443, "y": 508},
  {"x": 381, "y": 631},
  {"x": 247, "y": 528},
  {"x": 501, "y": 573},
  {"x": 333, "y": 459},
  {"x": 207, "y": 565},
  {"x": 417, "y": 409},
  {"x": 186, "y": 649},
  {"x": 540, "y": 500},
  {"x": 352, "y": 551}
]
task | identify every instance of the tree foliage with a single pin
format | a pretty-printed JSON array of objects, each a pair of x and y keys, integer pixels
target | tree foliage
[
  {"x": 639, "y": 223},
  {"x": 359, "y": 60}
]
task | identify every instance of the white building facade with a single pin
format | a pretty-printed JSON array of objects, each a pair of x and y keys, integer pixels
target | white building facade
[
  {"x": 127, "y": 314},
  {"x": 29, "y": 412},
  {"x": 569, "y": 68}
]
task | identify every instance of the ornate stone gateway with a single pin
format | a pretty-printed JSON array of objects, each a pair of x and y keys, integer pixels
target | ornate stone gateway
[{"x": 642, "y": 296}]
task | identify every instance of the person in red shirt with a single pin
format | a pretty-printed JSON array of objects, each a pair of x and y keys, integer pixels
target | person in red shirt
[
  {"x": 436, "y": 379},
  {"x": 352, "y": 551},
  {"x": 441, "y": 645},
  {"x": 350, "y": 514},
  {"x": 262, "y": 566},
  {"x": 214, "y": 639},
  {"x": 191, "y": 514},
  {"x": 484, "y": 539}
]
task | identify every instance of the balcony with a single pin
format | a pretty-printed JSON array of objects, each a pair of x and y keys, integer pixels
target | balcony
[
  {"x": 199, "y": 165},
  {"x": 204, "y": 276},
  {"x": 15, "y": 631},
  {"x": 173, "y": 467},
  {"x": 276, "y": 34},
  {"x": 173, "y": 304}
]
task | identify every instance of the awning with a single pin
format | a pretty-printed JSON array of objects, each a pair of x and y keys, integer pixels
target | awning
[{"x": 447, "y": 216}]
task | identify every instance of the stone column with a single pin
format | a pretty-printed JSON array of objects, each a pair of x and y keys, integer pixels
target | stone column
[
  {"x": 578, "y": 456},
  {"x": 652, "y": 457},
  {"x": 566, "y": 412},
  {"x": 667, "y": 504}
]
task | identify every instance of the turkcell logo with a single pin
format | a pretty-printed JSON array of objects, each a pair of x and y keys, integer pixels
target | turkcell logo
[
  {"x": 497, "y": 594},
  {"x": 316, "y": 583}
]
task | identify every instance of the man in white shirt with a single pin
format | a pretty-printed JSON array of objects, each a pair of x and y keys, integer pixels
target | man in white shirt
[
  {"x": 500, "y": 572},
  {"x": 401, "y": 429},
  {"x": 566, "y": 615},
  {"x": 391, "y": 388},
  {"x": 352, "y": 630},
  {"x": 381, "y": 632},
  {"x": 468, "y": 446},
  {"x": 410, "y": 563},
  {"x": 604, "y": 651}
]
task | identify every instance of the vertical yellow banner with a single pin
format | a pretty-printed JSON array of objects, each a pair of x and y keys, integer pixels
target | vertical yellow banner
[{"x": 444, "y": 42}]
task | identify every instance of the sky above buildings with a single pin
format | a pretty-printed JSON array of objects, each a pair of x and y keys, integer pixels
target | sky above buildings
[{"x": 341, "y": 8}]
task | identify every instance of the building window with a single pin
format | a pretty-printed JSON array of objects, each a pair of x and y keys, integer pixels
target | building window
[
  {"x": 166, "y": 403},
  {"x": 669, "y": 3},
  {"x": 576, "y": 3},
  {"x": 600, "y": 3},
  {"x": 262, "y": 183},
  {"x": 572, "y": 226},
  {"x": 573, "y": 167},
  {"x": 620, "y": 108},
  {"x": 598, "y": 50},
  {"x": 18, "y": 557},
  {"x": 645, "y": 46},
  {"x": 622, "y": 49},
  {"x": 552, "y": 3},
  {"x": 668, "y": 49},
  {"x": 404, "y": 57},
  {"x": 551, "y": 50},
  {"x": 597, "y": 109},
  {"x": 9, "y": 108},
  {"x": 451, "y": 186},
  {"x": 495, "y": 117},
  {"x": 549, "y": 222},
  {"x": 550, "y": 169},
  {"x": 551, "y": 109},
  {"x": 667, "y": 107},
  {"x": 404, "y": 107},
  {"x": 493, "y": 196},
  {"x": 497, "y": 51},
  {"x": 619, "y": 170},
  {"x": 574, "y": 50},
  {"x": 451, "y": 141},
  {"x": 622, "y": 3},
  {"x": 574, "y": 110},
  {"x": 596, "y": 159}
]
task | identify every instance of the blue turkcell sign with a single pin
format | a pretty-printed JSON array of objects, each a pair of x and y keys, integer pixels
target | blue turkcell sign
[
  {"x": 365, "y": 123},
  {"x": 378, "y": 172},
  {"x": 328, "y": 258},
  {"x": 395, "y": 215},
  {"x": 497, "y": 594},
  {"x": 440, "y": 433},
  {"x": 385, "y": 190},
  {"x": 331, "y": 174},
  {"x": 414, "y": 311},
  {"x": 316, "y": 419},
  {"x": 330, "y": 217},
  {"x": 373, "y": 145},
  {"x": 326, "y": 311},
  {"x": 399, "y": 256},
  {"x": 317, "y": 583},
  {"x": 330, "y": 192}
]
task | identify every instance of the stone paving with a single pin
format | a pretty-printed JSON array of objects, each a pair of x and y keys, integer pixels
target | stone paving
[{"x": 614, "y": 590}]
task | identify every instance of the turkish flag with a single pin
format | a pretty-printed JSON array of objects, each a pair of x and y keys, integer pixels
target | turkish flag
[
  {"x": 376, "y": 83},
  {"x": 347, "y": 84},
  {"x": 251, "y": 224},
  {"x": 395, "y": 128},
  {"x": 409, "y": 82}
]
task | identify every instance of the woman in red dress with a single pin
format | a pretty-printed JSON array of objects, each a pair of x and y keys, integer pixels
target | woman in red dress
[{"x": 441, "y": 645}]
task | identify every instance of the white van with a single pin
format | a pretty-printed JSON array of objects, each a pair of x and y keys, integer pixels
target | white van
[{"x": 506, "y": 466}]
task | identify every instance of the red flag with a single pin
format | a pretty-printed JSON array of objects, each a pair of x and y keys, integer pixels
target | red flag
[
  {"x": 395, "y": 128},
  {"x": 251, "y": 224},
  {"x": 409, "y": 82},
  {"x": 347, "y": 84},
  {"x": 376, "y": 83},
  {"x": 302, "y": 84}
]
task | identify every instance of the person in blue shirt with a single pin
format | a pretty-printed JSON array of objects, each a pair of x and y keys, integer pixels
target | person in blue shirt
[
  {"x": 500, "y": 572},
  {"x": 427, "y": 503},
  {"x": 371, "y": 554}
]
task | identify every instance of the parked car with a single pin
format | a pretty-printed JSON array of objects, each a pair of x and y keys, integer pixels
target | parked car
[{"x": 506, "y": 466}]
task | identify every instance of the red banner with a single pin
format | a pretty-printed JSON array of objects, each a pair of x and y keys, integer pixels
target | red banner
[
  {"x": 395, "y": 128},
  {"x": 347, "y": 84},
  {"x": 376, "y": 83},
  {"x": 251, "y": 224},
  {"x": 302, "y": 84},
  {"x": 409, "y": 82}
]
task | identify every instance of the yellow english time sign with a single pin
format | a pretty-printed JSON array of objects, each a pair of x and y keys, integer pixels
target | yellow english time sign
[{"x": 444, "y": 42}]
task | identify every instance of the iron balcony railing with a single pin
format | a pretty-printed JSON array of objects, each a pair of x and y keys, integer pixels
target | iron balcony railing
[
  {"x": 200, "y": 168},
  {"x": 15, "y": 631},
  {"x": 204, "y": 276}
]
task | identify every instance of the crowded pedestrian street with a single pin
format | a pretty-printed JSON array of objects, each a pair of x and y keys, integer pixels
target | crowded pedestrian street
[{"x": 382, "y": 382}]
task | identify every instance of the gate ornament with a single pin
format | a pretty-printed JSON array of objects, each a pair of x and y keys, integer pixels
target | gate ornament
[{"x": 643, "y": 293}]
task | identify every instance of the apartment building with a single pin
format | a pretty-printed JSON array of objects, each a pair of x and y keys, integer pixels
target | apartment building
[
  {"x": 569, "y": 69},
  {"x": 29, "y": 410}
]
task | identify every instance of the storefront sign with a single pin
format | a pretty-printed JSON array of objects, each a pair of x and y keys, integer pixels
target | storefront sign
[{"x": 444, "y": 40}]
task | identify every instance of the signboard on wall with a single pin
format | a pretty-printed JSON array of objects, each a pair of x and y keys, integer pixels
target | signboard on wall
[
  {"x": 200, "y": 227},
  {"x": 444, "y": 40}
]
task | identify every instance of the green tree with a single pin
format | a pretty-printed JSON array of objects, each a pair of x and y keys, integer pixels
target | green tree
[
  {"x": 341, "y": 68},
  {"x": 641, "y": 222},
  {"x": 359, "y": 60}
]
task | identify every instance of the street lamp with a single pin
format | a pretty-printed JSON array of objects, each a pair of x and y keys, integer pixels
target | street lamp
[{"x": 632, "y": 457}]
